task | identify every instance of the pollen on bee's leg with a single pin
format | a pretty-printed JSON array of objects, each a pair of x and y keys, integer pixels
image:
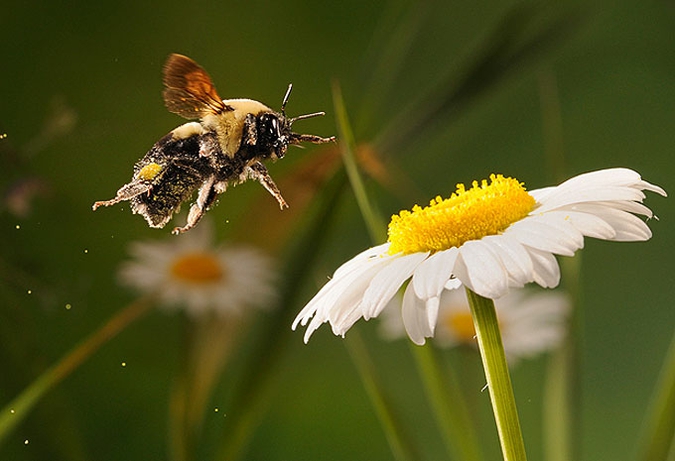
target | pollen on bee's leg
[{"x": 149, "y": 171}]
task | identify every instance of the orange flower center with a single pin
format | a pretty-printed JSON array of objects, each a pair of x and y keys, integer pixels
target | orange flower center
[
  {"x": 461, "y": 323},
  {"x": 198, "y": 268}
]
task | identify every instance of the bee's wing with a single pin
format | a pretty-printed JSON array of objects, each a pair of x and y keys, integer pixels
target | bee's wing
[{"x": 188, "y": 90}]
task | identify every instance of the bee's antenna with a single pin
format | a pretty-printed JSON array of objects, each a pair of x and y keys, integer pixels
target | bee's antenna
[
  {"x": 302, "y": 117},
  {"x": 288, "y": 94}
]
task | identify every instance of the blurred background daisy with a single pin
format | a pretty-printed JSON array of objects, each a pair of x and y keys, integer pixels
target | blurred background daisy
[
  {"x": 190, "y": 271},
  {"x": 218, "y": 287},
  {"x": 531, "y": 321}
]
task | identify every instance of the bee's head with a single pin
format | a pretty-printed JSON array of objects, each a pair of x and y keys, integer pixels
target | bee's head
[
  {"x": 275, "y": 131},
  {"x": 274, "y": 134},
  {"x": 278, "y": 128}
]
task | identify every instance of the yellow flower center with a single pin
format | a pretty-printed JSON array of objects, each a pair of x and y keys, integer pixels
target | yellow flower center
[
  {"x": 485, "y": 209},
  {"x": 199, "y": 268},
  {"x": 461, "y": 324}
]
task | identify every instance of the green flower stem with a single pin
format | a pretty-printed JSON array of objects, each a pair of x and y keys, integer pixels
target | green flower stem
[
  {"x": 400, "y": 445},
  {"x": 373, "y": 220},
  {"x": 18, "y": 409},
  {"x": 448, "y": 405},
  {"x": 209, "y": 343},
  {"x": 659, "y": 434},
  {"x": 497, "y": 375}
]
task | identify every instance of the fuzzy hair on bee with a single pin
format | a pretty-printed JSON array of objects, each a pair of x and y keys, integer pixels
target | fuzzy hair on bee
[{"x": 225, "y": 147}]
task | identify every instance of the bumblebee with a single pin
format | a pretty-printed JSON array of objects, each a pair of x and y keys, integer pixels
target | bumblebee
[{"x": 225, "y": 147}]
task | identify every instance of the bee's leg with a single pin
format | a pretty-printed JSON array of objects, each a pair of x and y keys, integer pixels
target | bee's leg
[
  {"x": 126, "y": 192},
  {"x": 206, "y": 197},
  {"x": 298, "y": 138},
  {"x": 258, "y": 172}
]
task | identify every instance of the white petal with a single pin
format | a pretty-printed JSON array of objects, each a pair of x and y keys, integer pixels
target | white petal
[
  {"x": 644, "y": 185},
  {"x": 431, "y": 276},
  {"x": 137, "y": 275},
  {"x": 630, "y": 228},
  {"x": 330, "y": 293},
  {"x": 632, "y": 207},
  {"x": 154, "y": 254},
  {"x": 432, "y": 305},
  {"x": 612, "y": 184},
  {"x": 313, "y": 305},
  {"x": 480, "y": 269},
  {"x": 542, "y": 195},
  {"x": 387, "y": 282},
  {"x": 566, "y": 197},
  {"x": 546, "y": 271},
  {"x": 548, "y": 232},
  {"x": 452, "y": 284},
  {"x": 607, "y": 177},
  {"x": 347, "y": 305},
  {"x": 415, "y": 317},
  {"x": 627, "y": 227},
  {"x": 532, "y": 324},
  {"x": 311, "y": 328},
  {"x": 514, "y": 257},
  {"x": 587, "y": 223},
  {"x": 370, "y": 253}
]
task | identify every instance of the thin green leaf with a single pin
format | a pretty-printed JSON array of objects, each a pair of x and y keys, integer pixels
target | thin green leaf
[
  {"x": 254, "y": 391},
  {"x": 659, "y": 434},
  {"x": 448, "y": 404},
  {"x": 400, "y": 443},
  {"x": 510, "y": 47},
  {"x": 374, "y": 221}
]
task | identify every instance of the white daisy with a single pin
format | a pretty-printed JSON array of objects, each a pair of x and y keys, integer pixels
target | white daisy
[
  {"x": 530, "y": 322},
  {"x": 491, "y": 237},
  {"x": 189, "y": 271}
]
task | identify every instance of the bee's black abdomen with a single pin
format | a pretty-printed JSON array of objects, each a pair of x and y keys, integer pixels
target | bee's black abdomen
[{"x": 183, "y": 170}]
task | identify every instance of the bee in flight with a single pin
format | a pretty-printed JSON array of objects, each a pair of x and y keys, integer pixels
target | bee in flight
[{"x": 225, "y": 147}]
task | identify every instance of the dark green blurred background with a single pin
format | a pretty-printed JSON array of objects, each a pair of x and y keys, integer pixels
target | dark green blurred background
[{"x": 594, "y": 81}]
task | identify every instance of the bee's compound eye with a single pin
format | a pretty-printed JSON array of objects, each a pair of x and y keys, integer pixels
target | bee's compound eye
[
  {"x": 271, "y": 126},
  {"x": 266, "y": 124},
  {"x": 269, "y": 134},
  {"x": 275, "y": 126}
]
